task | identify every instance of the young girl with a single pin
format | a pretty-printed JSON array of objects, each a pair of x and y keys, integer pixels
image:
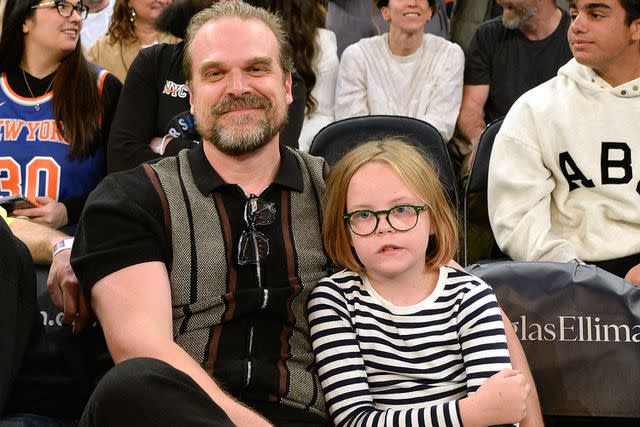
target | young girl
[{"x": 400, "y": 338}]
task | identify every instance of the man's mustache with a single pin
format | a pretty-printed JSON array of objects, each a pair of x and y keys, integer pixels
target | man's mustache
[{"x": 231, "y": 103}]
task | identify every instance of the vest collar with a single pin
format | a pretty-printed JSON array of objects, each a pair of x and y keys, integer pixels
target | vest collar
[{"x": 208, "y": 181}]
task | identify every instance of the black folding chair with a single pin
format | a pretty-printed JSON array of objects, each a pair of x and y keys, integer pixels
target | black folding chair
[
  {"x": 476, "y": 189},
  {"x": 333, "y": 141}
]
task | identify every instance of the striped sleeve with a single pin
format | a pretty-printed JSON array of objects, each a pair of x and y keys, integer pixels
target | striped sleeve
[
  {"x": 482, "y": 336},
  {"x": 341, "y": 368}
]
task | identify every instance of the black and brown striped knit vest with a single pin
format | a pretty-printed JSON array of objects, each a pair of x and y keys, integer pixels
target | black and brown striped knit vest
[{"x": 199, "y": 272}]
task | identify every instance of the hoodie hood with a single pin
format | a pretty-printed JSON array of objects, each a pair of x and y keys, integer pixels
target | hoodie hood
[{"x": 591, "y": 82}]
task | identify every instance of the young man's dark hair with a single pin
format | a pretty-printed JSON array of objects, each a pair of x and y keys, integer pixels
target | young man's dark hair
[{"x": 632, "y": 10}]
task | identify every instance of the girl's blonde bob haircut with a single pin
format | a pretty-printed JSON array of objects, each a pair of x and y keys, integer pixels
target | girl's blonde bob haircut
[{"x": 417, "y": 171}]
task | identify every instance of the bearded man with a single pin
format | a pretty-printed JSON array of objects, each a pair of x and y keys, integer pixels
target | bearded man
[
  {"x": 199, "y": 266},
  {"x": 508, "y": 56}
]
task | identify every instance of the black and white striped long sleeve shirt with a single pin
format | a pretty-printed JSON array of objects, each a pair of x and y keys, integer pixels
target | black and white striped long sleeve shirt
[{"x": 383, "y": 365}]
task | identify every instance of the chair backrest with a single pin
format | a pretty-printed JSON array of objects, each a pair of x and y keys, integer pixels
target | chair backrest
[
  {"x": 580, "y": 329},
  {"x": 476, "y": 187},
  {"x": 334, "y": 140}
]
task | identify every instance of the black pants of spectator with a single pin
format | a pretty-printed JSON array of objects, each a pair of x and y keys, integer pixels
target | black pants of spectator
[
  {"x": 17, "y": 307},
  {"x": 149, "y": 392}
]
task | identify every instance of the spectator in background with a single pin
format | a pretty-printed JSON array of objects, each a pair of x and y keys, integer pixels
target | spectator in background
[
  {"x": 132, "y": 28},
  {"x": 352, "y": 20},
  {"x": 55, "y": 115},
  {"x": 403, "y": 72},
  {"x": 561, "y": 180},
  {"x": 314, "y": 50},
  {"x": 153, "y": 118},
  {"x": 508, "y": 56},
  {"x": 56, "y": 110},
  {"x": 97, "y": 22}
]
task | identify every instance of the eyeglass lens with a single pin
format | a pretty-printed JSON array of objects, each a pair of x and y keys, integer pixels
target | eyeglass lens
[
  {"x": 401, "y": 218},
  {"x": 66, "y": 9}
]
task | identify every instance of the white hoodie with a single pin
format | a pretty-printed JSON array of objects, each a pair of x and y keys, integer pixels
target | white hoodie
[{"x": 578, "y": 122}]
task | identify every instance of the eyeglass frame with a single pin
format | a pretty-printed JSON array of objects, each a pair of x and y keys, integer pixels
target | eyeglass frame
[
  {"x": 251, "y": 224},
  {"x": 386, "y": 212},
  {"x": 55, "y": 4}
]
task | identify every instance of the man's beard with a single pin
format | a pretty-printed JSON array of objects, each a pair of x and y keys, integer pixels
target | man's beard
[
  {"x": 225, "y": 139},
  {"x": 519, "y": 16}
]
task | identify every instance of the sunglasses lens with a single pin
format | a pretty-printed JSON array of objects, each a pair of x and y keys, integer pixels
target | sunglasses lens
[
  {"x": 253, "y": 247},
  {"x": 259, "y": 212}
]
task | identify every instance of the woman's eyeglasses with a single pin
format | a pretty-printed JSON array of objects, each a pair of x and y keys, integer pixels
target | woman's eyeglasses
[
  {"x": 253, "y": 246},
  {"x": 401, "y": 218},
  {"x": 65, "y": 8}
]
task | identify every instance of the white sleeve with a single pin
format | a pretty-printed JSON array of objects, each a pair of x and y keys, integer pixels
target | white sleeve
[
  {"x": 519, "y": 193},
  {"x": 351, "y": 86},
  {"x": 446, "y": 97},
  {"x": 326, "y": 69}
]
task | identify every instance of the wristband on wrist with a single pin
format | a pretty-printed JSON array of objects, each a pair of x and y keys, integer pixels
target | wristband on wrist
[
  {"x": 62, "y": 245},
  {"x": 165, "y": 141},
  {"x": 159, "y": 148}
]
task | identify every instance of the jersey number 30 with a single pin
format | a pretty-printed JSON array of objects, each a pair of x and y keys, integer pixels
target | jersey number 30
[{"x": 42, "y": 177}]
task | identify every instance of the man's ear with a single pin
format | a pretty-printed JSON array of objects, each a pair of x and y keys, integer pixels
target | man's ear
[
  {"x": 635, "y": 30},
  {"x": 288, "y": 85},
  {"x": 190, "y": 89}
]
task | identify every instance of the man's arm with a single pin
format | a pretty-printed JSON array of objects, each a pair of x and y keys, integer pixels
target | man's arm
[
  {"x": 471, "y": 118},
  {"x": 39, "y": 238},
  {"x": 134, "y": 309}
]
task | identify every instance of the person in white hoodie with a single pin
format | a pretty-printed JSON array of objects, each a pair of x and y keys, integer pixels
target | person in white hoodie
[{"x": 564, "y": 177}]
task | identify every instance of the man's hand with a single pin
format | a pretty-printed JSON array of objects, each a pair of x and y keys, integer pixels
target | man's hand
[
  {"x": 67, "y": 294},
  {"x": 633, "y": 275},
  {"x": 49, "y": 212}
]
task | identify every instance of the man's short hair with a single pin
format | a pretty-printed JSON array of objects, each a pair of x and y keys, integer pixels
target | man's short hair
[{"x": 245, "y": 12}]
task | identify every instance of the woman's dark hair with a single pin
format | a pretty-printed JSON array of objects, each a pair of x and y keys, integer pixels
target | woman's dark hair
[
  {"x": 120, "y": 26},
  {"x": 433, "y": 4},
  {"x": 302, "y": 19},
  {"x": 76, "y": 101}
]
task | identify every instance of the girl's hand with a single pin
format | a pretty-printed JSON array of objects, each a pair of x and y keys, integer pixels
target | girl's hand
[
  {"x": 633, "y": 275},
  {"x": 49, "y": 212},
  {"x": 502, "y": 399}
]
